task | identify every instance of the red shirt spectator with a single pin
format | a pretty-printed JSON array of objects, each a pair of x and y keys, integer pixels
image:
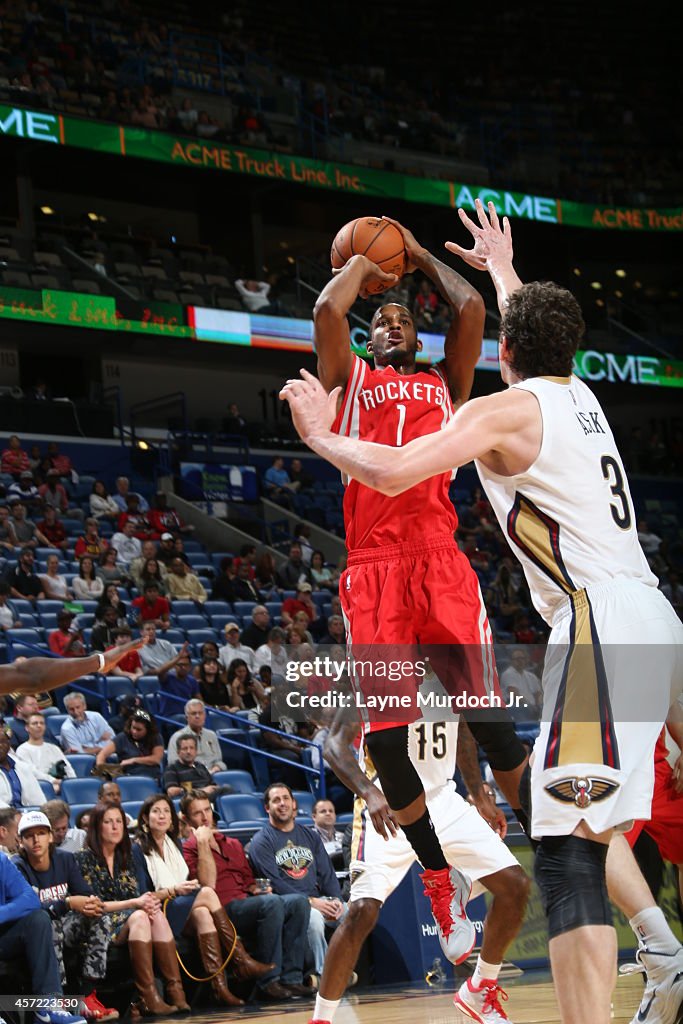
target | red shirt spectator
[
  {"x": 53, "y": 530},
  {"x": 66, "y": 641},
  {"x": 130, "y": 662},
  {"x": 14, "y": 459},
  {"x": 233, "y": 874},
  {"x": 291, "y": 606},
  {"x": 152, "y": 607},
  {"x": 90, "y": 543},
  {"x": 62, "y": 463},
  {"x": 165, "y": 520},
  {"x": 143, "y": 529}
]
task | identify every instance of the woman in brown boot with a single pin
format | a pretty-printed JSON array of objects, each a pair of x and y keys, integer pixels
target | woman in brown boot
[
  {"x": 107, "y": 865},
  {"x": 191, "y": 908}
]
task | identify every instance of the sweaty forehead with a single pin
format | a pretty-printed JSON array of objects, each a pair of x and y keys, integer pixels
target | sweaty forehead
[{"x": 390, "y": 310}]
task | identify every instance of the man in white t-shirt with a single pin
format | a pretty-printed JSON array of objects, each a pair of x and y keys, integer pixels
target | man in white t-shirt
[
  {"x": 126, "y": 544},
  {"x": 46, "y": 760},
  {"x": 519, "y": 679}
]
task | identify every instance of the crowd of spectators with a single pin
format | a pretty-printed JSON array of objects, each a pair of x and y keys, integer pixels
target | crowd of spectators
[{"x": 152, "y": 71}]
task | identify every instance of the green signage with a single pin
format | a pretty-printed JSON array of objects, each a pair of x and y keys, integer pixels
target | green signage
[
  {"x": 128, "y": 141},
  {"x": 200, "y": 324}
]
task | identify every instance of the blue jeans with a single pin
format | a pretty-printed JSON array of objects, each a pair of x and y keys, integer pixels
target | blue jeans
[
  {"x": 30, "y": 939},
  {"x": 317, "y": 939},
  {"x": 277, "y": 926}
]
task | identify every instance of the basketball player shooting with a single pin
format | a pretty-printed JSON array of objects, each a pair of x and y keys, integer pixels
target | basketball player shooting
[
  {"x": 552, "y": 472},
  {"x": 407, "y": 582}
]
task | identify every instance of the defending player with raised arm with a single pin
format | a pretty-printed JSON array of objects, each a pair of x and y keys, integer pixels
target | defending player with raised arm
[
  {"x": 552, "y": 472},
  {"x": 32, "y": 675}
]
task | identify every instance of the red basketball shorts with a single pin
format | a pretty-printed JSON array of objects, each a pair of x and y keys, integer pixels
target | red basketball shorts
[
  {"x": 666, "y": 824},
  {"x": 420, "y": 598}
]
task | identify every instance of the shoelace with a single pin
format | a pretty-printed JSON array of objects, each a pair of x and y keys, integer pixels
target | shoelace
[
  {"x": 494, "y": 993},
  {"x": 441, "y": 898}
]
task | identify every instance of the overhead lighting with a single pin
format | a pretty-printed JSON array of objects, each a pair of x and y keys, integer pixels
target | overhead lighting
[
  {"x": 637, "y": 284},
  {"x": 596, "y": 285},
  {"x": 620, "y": 272},
  {"x": 599, "y": 302},
  {"x": 143, "y": 446},
  {"x": 93, "y": 216},
  {"x": 47, "y": 210},
  {"x": 619, "y": 294},
  {"x": 290, "y": 259},
  {"x": 576, "y": 272}
]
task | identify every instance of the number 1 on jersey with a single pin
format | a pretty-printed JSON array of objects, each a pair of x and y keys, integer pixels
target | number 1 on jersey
[{"x": 401, "y": 422}]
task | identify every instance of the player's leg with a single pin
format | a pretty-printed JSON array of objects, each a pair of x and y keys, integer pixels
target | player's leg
[
  {"x": 342, "y": 955},
  {"x": 570, "y": 872}
]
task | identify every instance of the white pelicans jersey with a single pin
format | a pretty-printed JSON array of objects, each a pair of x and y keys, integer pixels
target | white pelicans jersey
[{"x": 569, "y": 518}]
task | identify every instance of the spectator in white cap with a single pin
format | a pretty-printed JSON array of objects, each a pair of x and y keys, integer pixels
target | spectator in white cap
[
  {"x": 233, "y": 648},
  {"x": 18, "y": 785},
  {"x": 166, "y": 551},
  {"x": 77, "y": 916}
]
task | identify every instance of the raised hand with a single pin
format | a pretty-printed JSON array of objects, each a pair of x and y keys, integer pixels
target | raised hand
[
  {"x": 371, "y": 274},
  {"x": 413, "y": 248},
  {"x": 114, "y": 656},
  {"x": 313, "y": 410},
  {"x": 490, "y": 241}
]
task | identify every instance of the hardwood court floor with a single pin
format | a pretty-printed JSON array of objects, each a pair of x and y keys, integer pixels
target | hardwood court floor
[{"x": 531, "y": 1002}]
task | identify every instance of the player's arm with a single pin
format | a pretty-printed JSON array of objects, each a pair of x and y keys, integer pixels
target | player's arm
[
  {"x": 331, "y": 336},
  {"x": 35, "y": 674},
  {"x": 492, "y": 250},
  {"x": 481, "y": 427},
  {"x": 462, "y": 346},
  {"x": 481, "y": 795},
  {"x": 337, "y": 752}
]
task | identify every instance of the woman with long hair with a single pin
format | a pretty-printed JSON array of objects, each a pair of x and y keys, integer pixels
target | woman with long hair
[
  {"x": 107, "y": 866},
  {"x": 191, "y": 909},
  {"x": 139, "y": 747},
  {"x": 323, "y": 577},
  {"x": 209, "y": 649},
  {"x": 55, "y": 586},
  {"x": 266, "y": 574},
  {"x": 108, "y": 571},
  {"x": 87, "y": 586},
  {"x": 152, "y": 574},
  {"x": 212, "y": 688},
  {"x": 245, "y": 690},
  {"x": 112, "y": 599}
]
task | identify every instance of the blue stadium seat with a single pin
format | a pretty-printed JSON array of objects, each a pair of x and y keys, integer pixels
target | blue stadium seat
[
  {"x": 174, "y": 636},
  {"x": 21, "y": 604},
  {"x": 136, "y": 787},
  {"x": 184, "y": 608},
  {"x": 42, "y": 553},
  {"x": 191, "y": 622},
  {"x": 218, "y": 621},
  {"x": 345, "y": 819},
  {"x": 320, "y": 597},
  {"x": 132, "y": 807},
  {"x": 218, "y": 556},
  {"x": 82, "y": 764},
  {"x": 47, "y": 789},
  {"x": 81, "y": 791},
  {"x": 192, "y": 545},
  {"x": 304, "y": 802},
  {"x": 48, "y": 620},
  {"x": 240, "y": 781},
  {"x": 212, "y": 608},
  {"x": 76, "y": 810},
  {"x": 50, "y": 606},
  {"x": 201, "y": 636},
  {"x": 28, "y": 621},
  {"x": 275, "y": 608},
  {"x": 117, "y": 686},
  {"x": 27, "y": 636},
  {"x": 54, "y": 724},
  {"x": 236, "y": 806},
  {"x": 73, "y": 527},
  {"x": 243, "y": 607}
]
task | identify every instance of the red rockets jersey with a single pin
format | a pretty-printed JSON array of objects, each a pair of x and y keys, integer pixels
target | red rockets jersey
[{"x": 391, "y": 408}]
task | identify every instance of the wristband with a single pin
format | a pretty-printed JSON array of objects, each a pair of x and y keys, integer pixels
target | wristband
[{"x": 99, "y": 655}]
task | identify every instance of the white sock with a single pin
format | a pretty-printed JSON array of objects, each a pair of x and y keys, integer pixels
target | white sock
[
  {"x": 325, "y": 1009},
  {"x": 652, "y": 931},
  {"x": 484, "y": 972}
]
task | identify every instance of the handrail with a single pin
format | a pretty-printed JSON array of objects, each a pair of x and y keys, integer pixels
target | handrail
[
  {"x": 245, "y": 724},
  {"x": 158, "y": 403},
  {"x": 113, "y": 393}
]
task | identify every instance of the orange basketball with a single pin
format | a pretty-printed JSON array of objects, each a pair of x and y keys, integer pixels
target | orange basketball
[{"x": 377, "y": 239}]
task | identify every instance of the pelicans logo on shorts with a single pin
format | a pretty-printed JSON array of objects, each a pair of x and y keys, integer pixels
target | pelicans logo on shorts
[{"x": 582, "y": 791}]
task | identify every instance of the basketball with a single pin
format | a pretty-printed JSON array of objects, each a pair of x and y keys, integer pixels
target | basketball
[{"x": 377, "y": 239}]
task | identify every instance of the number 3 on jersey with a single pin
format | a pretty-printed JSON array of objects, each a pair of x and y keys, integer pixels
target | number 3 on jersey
[{"x": 611, "y": 471}]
